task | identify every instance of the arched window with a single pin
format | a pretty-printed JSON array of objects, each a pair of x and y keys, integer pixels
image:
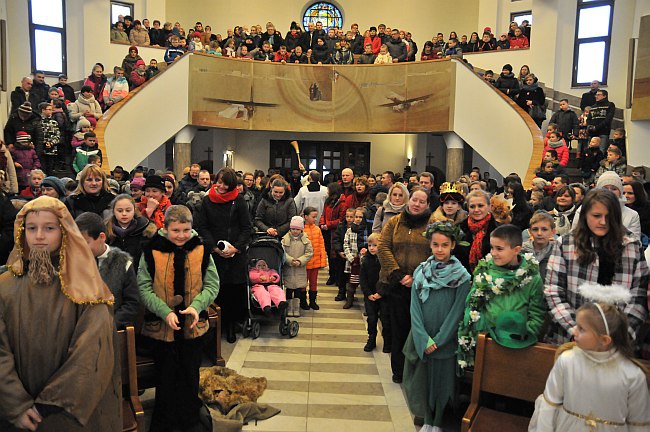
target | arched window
[{"x": 324, "y": 12}]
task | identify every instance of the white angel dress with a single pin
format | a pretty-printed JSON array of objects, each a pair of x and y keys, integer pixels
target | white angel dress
[{"x": 590, "y": 391}]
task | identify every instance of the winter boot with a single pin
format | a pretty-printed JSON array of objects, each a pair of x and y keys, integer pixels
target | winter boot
[
  {"x": 371, "y": 344},
  {"x": 303, "y": 300},
  {"x": 289, "y": 294},
  {"x": 312, "y": 300},
  {"x": 349, "y": 297},
  {"x": 295, "y": 307}
]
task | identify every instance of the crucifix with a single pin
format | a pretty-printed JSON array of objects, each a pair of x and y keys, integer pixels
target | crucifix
[
  {"x": 209, "y": 151},
  {"x": 430, "y": 158}
]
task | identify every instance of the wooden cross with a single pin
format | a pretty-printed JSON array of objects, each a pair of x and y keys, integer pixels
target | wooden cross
[
  {"x": 209, "y": 151},
  {"x": 430, "y": 158}
]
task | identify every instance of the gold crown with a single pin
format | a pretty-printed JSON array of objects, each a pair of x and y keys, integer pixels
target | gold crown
[{"x": 448, "y": 187}]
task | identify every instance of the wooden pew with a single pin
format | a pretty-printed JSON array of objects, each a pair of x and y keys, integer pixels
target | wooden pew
[
  {"x": 132, "y": 412},
  {"x": 515, "y": 373}
]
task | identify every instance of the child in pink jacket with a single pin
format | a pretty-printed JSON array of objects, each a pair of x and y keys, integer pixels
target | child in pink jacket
[
  {"x": 265, "y": 287},
  {"x": 557, "y": 143}
]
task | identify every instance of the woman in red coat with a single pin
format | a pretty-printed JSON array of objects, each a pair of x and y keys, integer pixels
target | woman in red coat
[{"x": 333, "y": 213}]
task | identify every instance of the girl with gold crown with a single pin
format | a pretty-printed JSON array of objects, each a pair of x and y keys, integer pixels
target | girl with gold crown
[{"x": 451, "y": 204}]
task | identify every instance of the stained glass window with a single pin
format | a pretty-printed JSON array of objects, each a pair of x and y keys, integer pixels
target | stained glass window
[{"x": 324, "y": 12}]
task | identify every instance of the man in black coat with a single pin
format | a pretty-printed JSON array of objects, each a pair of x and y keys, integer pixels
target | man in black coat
[
  {"x": 589, "y": 98},
  {"x": 24, "y": 120},
  {"x": 40, "y": 87},
  {"x": 566, "y": 120},
  {"x": 599, "y": 121},
  {"x": 427, "y": 183},
  {"x": 24, "y": 93},
  {"x": 68, "y": 91},
  {"x": 507, "y": 82},
  {"x": 397, "y": 47}
]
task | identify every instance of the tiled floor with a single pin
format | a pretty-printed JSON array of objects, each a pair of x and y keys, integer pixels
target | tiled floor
[{"x": 322, "y": 380}]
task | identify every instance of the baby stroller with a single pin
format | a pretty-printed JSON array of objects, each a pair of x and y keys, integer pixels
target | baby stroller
[{"x": 269, "y": 249}]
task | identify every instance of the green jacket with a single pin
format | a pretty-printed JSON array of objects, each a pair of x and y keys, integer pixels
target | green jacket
[{"x": 528, "y": 300}]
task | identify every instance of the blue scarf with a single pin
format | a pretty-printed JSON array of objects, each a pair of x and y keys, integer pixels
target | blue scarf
[{"x": 438, "y": 275}]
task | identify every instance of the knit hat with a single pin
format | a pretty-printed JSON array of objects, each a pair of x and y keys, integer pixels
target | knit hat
[
  {"x": 487, "y": 30},
  {"x": 507, "y": 67},
  {"x": 297, "y": 223},
  {"x": 83, "y": 122},
  {"x": 133, "y": 48},
  {"x": 137, "y": 22},
  {"x": 114, "y": 186},
  {"x": 610, "y": 178},
  {"x": 155, "y": 181},
  {"x": 63, "y": 76},
  {"x": 137, "y": 183},
  {"x": 23, "y": 137},
  {"x": 56, "y": 183},
  {"x": 294, "y": 26},
  {"x": 26, "y": 107},
  {"x": 373, "y": 28},
  {"x": 139, "y": 62},
  {"x": 540, "y": 182}
]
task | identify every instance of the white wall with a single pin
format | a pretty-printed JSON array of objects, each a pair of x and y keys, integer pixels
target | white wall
[{"x": 493, "y": 136}]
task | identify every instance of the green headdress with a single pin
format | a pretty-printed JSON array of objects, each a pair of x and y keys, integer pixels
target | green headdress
[{"x": 447, "y": 228}]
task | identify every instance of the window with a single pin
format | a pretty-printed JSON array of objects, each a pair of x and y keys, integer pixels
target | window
[
  {"x": 120, "y": 8},
  {"x": 519, "y": 17},
  {"x": 592, "y": 41},
  {"x": 47, "y": 36},
  {"x": 324, "y": 12}
]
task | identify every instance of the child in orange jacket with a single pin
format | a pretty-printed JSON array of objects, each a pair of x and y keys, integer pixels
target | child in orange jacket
[{"x": 319, "y": 260}]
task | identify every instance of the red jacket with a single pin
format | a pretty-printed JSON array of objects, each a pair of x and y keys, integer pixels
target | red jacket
[
  {"x": 519, "y": 42},
  {"x": 376, "y": 43},
  {"x": 333, "y": 214},
  {"x": 562, "y": 153},
  {"x": 279, "y": 57}
]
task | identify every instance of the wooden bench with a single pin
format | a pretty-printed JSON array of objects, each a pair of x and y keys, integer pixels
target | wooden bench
[
  {"x": 212, "y": 349},
  {"x": 132, "y": 412},
  {"x": 515, "y": 373}
]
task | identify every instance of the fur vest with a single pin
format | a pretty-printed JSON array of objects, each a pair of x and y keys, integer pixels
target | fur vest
[{"x": 180, "y": 273}]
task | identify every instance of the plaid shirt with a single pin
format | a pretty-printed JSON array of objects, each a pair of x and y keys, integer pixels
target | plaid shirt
[{"x": 564, "y": 275}]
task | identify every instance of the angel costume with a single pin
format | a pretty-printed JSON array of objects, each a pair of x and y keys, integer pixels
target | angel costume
[
  {"x": 56, "y": 339},
  {"x": 589, "y": 391}
]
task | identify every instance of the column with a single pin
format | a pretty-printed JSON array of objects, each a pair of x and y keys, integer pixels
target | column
[
  {"x": 455, "y": 155},
  {"x": 183, "y": 149}
]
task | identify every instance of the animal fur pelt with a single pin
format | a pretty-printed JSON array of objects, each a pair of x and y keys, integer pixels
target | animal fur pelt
[{"x": 223, "y": 388}]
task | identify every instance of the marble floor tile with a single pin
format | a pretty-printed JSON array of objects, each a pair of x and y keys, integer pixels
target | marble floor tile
[
  {"x": 378, "y": 413},
  {"x": 286, "y": 366},
  {"x": 279, "y": 423},
  {"x": 277, "y": 357},
  {"x": 344, "y": 399},
  {"x": 363, "y": 369},
  {"x": 370, "y": 389},
  {"x": 284, "y": 396},
  {"x": 324, "y": 425},
  {"x": 280, "y": 349},
  {"x": 342, "y": 377},
  {"x": 342, "y": 360},
  {"x": 277, "y": 375}
]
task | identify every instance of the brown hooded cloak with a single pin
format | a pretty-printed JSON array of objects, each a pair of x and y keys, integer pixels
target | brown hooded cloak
[{"x": 56, "y": 341}]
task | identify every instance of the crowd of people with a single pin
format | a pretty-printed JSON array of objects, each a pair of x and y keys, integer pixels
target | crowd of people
[
  {"x": 436, "y": 262},
  {"x": 315, "y": 44},
  {"x": 436, "y": 265}
]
